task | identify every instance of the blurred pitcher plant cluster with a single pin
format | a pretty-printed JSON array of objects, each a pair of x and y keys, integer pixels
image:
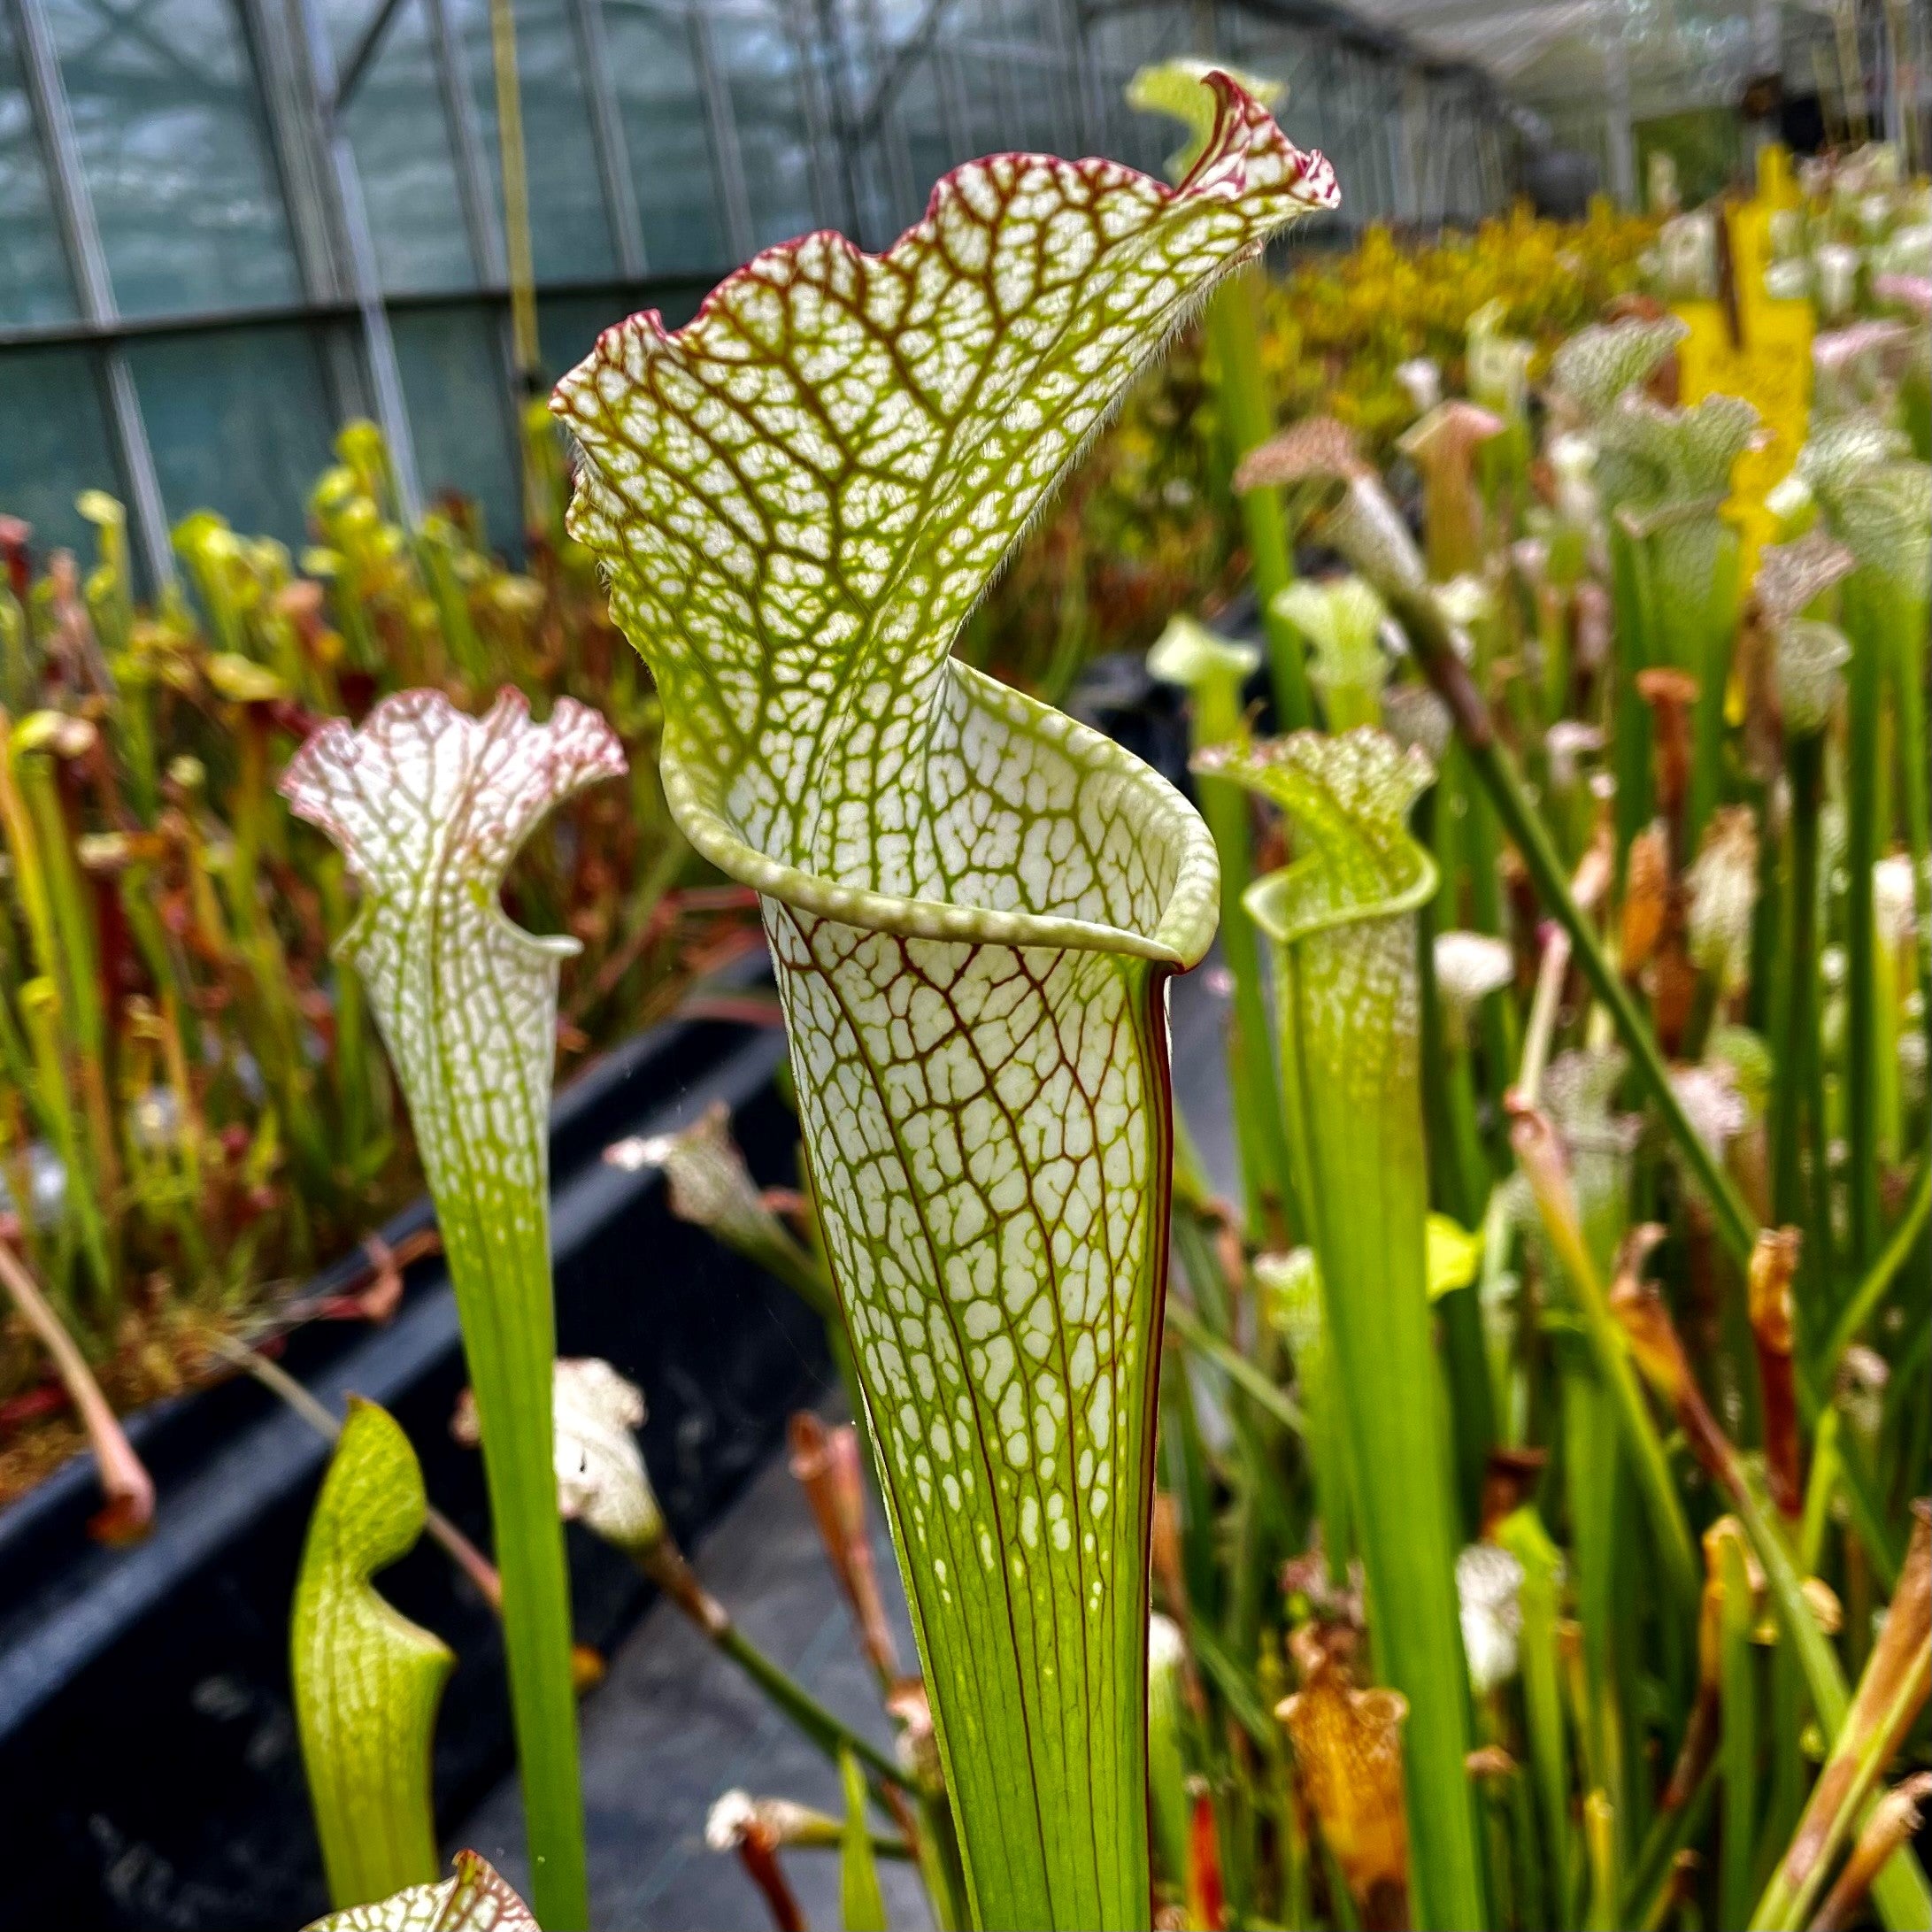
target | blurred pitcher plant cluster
[
  {"x": 1498, "y": 1500},
  {"x": 195, "y": 1111}
]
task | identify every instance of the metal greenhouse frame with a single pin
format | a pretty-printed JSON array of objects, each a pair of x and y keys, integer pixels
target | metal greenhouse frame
[{"x": 328, "y": 171}]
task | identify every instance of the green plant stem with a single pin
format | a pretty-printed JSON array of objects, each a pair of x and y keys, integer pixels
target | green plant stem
[
  {"x": 1263, "y": 1535},
  {"x": 1215, "y": 719},
  {"x": 30, "y": 881},
  {"x": 1736, "y": 1224},
  {"x": 1611, "y": 1356},
  {"x": 1864, "y": 608},
  {"x": 1234, "y": 337},
  {"x": 1596, "y": 1481},
  {"x": 1915, "y": 758},
  {"x": 277, "y": 1038},
  {"x": 1189, "y": 1482},
  {"x": 1168, "y": 1805},
  {"x": 1473, "y": 1174},
  {"x": 1471, "y": 1406},
  {"x": 1630, "y": 594},
  {"x": 1819, "y": 1488},
  {"x": 1646, "y": 1897},
  {"x": 1524, "y": 1536},
  {"x": 1238, "y": 1369},
  {"x": 1900, "y": 1890},
  {"x": 1715, "y": 629},
  {"x": 1788, "y": 1768},
  {"x": 1445, "y": 1186},
  {"x": 1864, "y": 1301},
  {"x": 1599, "y": 1845},
  {"x": 1370, "y": 1150},
  {"x": 1236, "y": 1688},
  {"x": 1495, "y": 1016},
  {"x": 41, "y": 1014},
  {"x": 84, "y": 1012},
  {"x": 499, "y": 1263},
  {"x": 805, "y": 1711},
  {"x": 861, "y": 1906},
  {"x": 1798, "y": 1034},
  {"x": 1785, "y": 1907},
  {"x": 940, "y": 1866},
  {"x": 1526, "y": 1859},
  {"x": 1738, "y": 1747},
  {"x": 1322, "y": 1442}
]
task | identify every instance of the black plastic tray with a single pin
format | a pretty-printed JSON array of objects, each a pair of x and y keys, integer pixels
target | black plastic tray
[{"x": 147, "y": 1746}]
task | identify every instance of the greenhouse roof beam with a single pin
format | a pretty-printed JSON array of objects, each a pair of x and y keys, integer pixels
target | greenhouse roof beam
[
  {"x": 368, "y": 44},
  {"x": 1389, "y": 36},
  {"x": 134, "y": 27},
  {"x": 476, "y": 195},
  {"x": 93, "y": 285},
  {"x": 727, "y": 159},
  {"x": 905, "y": 56},
  {"x": 378, "y": 341},
  {"x": 298, "y": 138},
  {"x": 1431, "y": 18},
  {"x": 607, "y": 138},
  {"x": 834, "y": 195}
]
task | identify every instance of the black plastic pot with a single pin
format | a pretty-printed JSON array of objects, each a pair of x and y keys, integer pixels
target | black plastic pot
[{"x": 148, "y": 1755}]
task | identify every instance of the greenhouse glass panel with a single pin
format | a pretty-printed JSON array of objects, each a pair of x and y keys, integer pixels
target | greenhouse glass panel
[
  {"x": 239, "y": 425},
  {"x": 456, "y": 382},
  {"x": 988, "y": 79},
  {"x": 570, "y": 228},
  {"x": 166, "y": 120},
  {"x": 968, "y": 118},
  {"x": 761, "y": 63},
  {"x": 53, "y": 443},
  {"x": 660, "y": 102},
  {"x": 34, "y": 285},
  {"x": 571, "y": 324},
  {"x": 922, "y": 122},
  {"x": 401, "y": 138},
  {"x": 1039, "y": 104}
]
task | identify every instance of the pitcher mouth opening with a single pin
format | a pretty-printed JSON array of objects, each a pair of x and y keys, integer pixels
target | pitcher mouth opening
[{"x": 1176, "y": 939}]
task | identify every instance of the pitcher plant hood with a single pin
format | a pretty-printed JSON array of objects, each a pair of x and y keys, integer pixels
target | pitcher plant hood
[{"x": 800, "y": 496}]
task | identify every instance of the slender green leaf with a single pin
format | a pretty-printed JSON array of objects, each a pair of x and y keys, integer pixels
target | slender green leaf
[
  {"x": 861, "y": 1904},
  {"x": 1738, "y": 1844},
  {"x": 1236, "y": 1366},
  {"x": 973, "y": 902},
  {"x": 1522, "y": 1533},
  {"x": 1292, "y": 1284}
]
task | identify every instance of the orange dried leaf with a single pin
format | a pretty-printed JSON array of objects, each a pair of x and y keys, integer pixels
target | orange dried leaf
[{"x": 1348, "y": 1747}]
